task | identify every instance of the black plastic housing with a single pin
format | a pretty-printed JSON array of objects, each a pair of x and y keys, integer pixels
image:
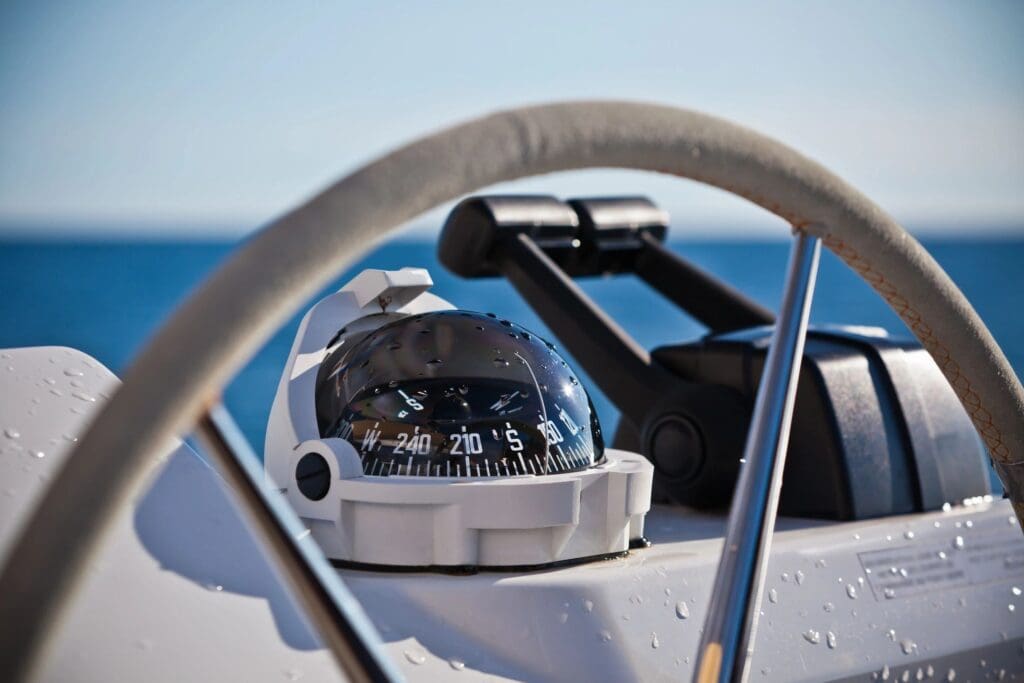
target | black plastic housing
[{"x": 876, "y": 428}]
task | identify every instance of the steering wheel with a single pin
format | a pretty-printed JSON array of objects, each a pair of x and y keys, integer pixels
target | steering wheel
[{"x": 238, "y": 307}]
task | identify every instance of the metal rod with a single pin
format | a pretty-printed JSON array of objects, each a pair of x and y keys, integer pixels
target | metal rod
[
  {"x": 335, "y": 615},
  {"x": 725, "y": 648}
]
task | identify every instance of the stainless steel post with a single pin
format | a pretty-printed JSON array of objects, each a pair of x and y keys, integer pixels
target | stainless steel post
[{"x": 726, "y": 645}]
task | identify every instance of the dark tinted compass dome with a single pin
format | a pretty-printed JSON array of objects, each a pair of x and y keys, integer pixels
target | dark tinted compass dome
[{"x": 457, "y": 394}]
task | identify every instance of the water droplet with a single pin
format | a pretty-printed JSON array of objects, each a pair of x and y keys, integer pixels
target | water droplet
[
  {"x": 951, "y": 676},
  {"x": 456, "y": 664},
  {"x": 830, "y": 638},
  {"x": 851, "y": 591},
  {"x": 588, "y": 606},
  {"x": 434, "y": 362},
  {"x": 856, "y": 537},
  {"x": 942, "y": 554},
  {"x": 773, "y": 596},
  {"x": 958, "y": 543},
  {"x": 929, "y": 671},
  {"x": 682, "y": 610},
  {"x": 891, "y": 634},
  {"x": 500, "y": 363},
  {"x": 72, "y": 372},
  {"x": 820, "y": 563},
  {"x": 909, "y": 535},
  {"x": 946, "y": 507},
  {"x": 908, "y": 646},
  {"x": 654, "y": 641},
  {"x": 394, "y": 346},
  {"x": 811, "y": 636},
  {"x": 1015, "y": 590},
  {"x": 636, "y": 599},
  {"x": 785, "y": 577},
  {"x": 1011, "y": 607},
  {"x": 903, "y": 573},
  {"x": 605, "y": 636},
  {"x": 889, "y": 593},
  {"x": 293, "y": 674},
  {"x": 81, "y": 396},
  {"x": 12, "y": 433},
  {"x": 969, "y": 524},
  {"x": 414, "y": 657},
  {"x": 799, "y": 575}
]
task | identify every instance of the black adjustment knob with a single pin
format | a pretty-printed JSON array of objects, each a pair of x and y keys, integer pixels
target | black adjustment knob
[
  {"x": 313, "y": 476},
  {"x": 676, "y": 449}
]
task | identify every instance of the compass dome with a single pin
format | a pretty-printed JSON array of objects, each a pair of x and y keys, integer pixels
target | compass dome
[{"x": 456, "y": 394}]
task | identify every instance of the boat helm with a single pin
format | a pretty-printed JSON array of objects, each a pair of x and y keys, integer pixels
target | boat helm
[{"x": 407, "y": 433}]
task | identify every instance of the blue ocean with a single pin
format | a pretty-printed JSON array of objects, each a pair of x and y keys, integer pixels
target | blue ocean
[{"x": 108, "y": 297}]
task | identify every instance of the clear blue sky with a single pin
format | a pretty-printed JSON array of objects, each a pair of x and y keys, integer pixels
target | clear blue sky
[{"x": 171, "y": 114}]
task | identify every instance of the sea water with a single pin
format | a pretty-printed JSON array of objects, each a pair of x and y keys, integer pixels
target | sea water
[{"x": 108, "y": 297}]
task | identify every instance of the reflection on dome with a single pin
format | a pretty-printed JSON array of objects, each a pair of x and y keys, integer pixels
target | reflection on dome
[{"x": 457, "y": 394}]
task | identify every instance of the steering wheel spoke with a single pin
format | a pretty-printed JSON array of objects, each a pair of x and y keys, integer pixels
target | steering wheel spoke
[
  {"x": 333, "y": 612},
  {"x": 736, "y": 597}
]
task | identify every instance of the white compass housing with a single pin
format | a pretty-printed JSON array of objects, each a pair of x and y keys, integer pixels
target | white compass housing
[{"x": 416, "y": 496}]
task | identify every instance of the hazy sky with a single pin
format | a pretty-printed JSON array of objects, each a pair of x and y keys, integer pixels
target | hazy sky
[{"x": 178, "y": 114}]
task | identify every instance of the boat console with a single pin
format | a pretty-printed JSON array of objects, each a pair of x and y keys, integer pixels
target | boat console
[{"x": 437, "y": 496}]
